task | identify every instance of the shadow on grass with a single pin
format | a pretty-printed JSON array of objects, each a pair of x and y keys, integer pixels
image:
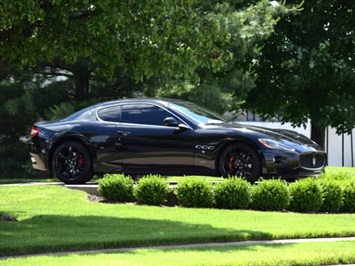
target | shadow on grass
[{"x": 55, "y": 233}]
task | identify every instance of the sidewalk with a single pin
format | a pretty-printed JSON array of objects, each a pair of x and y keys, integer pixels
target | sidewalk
[{"x": 183, "y": 246}]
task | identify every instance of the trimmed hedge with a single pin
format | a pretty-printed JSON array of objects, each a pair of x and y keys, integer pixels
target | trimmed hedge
[
  {"x": 349, "y": 198},
  {"x": 151, "y": 190},
  {"x": 232, "y": 193},
  {"x": 116, "y": 187},
  {"x": 305, "y": 196},
  {"x": 270, "y": 195},
  {"x": 332, "y": 195},
  {"x": 195, "y": 192},
  {"x": 322, "y": 194}
]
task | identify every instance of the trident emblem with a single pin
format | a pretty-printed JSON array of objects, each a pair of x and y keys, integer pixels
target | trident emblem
[{"x": 314, "y": 160}]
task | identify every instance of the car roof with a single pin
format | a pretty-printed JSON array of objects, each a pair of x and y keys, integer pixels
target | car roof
[
  {"x": 89, "y": 109},
  {"x": 163, "y": 101}
]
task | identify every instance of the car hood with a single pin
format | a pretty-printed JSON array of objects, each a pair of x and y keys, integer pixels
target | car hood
[{"x": 288, "y": 137}]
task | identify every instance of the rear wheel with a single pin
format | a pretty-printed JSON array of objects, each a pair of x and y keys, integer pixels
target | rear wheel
[
  {"x": 72, "y": 163},
  {"x": 240, "y": 160}
]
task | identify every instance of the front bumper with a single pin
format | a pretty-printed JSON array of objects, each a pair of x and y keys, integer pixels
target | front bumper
[{"x": 293, "y": 164}]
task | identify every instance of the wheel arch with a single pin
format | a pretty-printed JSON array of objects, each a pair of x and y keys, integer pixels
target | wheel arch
[
  {"x": 56, "y": 142},
  {"x": 246, "y": 141}
]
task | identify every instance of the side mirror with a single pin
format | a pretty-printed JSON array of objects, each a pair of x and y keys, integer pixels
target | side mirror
[{"x": 171, "y": 122}]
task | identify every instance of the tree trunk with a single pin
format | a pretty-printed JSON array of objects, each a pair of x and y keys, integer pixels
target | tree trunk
[
  {"x": 318, "y": 135},
  {"x": 82, "y": 75},
  {"x": 3, "y": 68}
]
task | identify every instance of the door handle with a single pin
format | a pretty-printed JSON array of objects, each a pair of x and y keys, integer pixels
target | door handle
[{"x": 123, "y": 133}]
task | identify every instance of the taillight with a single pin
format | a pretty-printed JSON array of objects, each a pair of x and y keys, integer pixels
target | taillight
[{"x": 34, "y": 132}]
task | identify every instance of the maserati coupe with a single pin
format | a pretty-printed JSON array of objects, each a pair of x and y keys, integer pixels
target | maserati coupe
[{"x": 167, "y": 137}]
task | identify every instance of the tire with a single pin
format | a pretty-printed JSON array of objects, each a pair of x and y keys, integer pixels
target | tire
[
  {"x": 72, "y": 163},
  {"x": 240, "y": 160}
]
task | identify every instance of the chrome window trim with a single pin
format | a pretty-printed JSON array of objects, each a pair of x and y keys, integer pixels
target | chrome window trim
[{"x": 138, "y": 103}]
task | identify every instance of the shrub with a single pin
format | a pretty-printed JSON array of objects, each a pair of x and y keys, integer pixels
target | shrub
[
  {"x": 116, "y": 187},
  {"x": 151, "y": 190},
  {"x": 332, "y": 195},
  {"x": 342, "y": 178},
  {"x": 270, "y": 195},
  {"x": 195, "y": 192},
  {"x": 233, "y": 193},
  {"x": 349, "y": 198},
  {"x": 305, "y": 196}
]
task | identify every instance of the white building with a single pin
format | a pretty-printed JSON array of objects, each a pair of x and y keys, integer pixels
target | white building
[{"x": 340, "y": 148}]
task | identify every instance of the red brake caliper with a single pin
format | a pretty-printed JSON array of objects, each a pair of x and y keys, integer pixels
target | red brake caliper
[
  {"x": 81, "y": 160},
  {"x": 230, "y": 165}
]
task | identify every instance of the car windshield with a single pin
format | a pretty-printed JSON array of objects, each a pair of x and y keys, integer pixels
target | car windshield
[{"x": 198, "y": 113}]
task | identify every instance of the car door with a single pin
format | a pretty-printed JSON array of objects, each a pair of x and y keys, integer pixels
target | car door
[
  {"x": 105, "y": 139},
  {"x": 146, "y": 145}
]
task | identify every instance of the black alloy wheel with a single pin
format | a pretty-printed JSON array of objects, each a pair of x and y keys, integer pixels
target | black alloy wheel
[
  {"x": 72, "y": 163},
  {"x": 240, "y": 160}
]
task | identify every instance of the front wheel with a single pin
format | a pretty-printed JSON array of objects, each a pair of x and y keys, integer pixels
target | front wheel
[
  {"x": 72, "y": 163},
  {"x": 240, "y": 160}
]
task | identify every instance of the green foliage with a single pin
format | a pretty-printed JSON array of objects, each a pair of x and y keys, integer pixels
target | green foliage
[
  {"x": 175, "y": 38},
  {"x": 17, "y": 109},
  {"x": 15, "y": 161},
  {"x": 305, "y": 196},
  {"x": 332, "y": 195},
  {"x": 335, "y": 175},
  {"x": 65, "y": 109},
  {"x": 195, "y": 192},
  {"x": 144, "y": 42},
  {"x": 60, "y": 111},
  {"x": 151, "y": 190},
  {"x": 116, "y": 187},
  {"x": 349, "y": 198},
  {"x": 306, "y": 68},
  {"x": 341, "y": 175},
  {"x": 270, "y": 195},
  {"x": 233, "y": 193},
  {"x": 16, "y": 112},
  {"x": 207, "y": 95}
]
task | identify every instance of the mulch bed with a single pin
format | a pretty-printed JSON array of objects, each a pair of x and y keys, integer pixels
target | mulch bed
[
  {"x": 171, "y": 200},
  {"x": 4, "y": 217},
  {"x": 95, "y": 198}
]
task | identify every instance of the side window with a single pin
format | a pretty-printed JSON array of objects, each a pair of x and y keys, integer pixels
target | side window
[
  {"x": 144, "y": 114},
  {"x": 110, "y": 114}
]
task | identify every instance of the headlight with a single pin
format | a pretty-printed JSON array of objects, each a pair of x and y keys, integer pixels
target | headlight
[{"x": 273, "y": 144}]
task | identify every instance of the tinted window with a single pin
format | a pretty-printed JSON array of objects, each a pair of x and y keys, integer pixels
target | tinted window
[
  {"x": 144, "y": 114},
  {"x": 110, "y": 114}
]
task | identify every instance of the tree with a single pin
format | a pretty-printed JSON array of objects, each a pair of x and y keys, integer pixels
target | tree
[
  {"x": 143, "y": 38},
  {"x": 307, "y": 68},
  {"x": 247, "y": 24},
  {"x": 151, "y": 42}
]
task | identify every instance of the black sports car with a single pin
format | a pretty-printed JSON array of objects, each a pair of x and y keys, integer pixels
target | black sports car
[{"x": 167, "y": 137}]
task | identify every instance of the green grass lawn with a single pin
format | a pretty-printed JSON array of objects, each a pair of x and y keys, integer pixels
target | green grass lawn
[
  {"x": 55, "y": 219},
  {"x": 342, "y": 171}
]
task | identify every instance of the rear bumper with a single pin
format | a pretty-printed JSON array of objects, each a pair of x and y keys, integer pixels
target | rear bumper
[
  {"x": 38, "y": 159},
  {"x": 38, "y": 162}
]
